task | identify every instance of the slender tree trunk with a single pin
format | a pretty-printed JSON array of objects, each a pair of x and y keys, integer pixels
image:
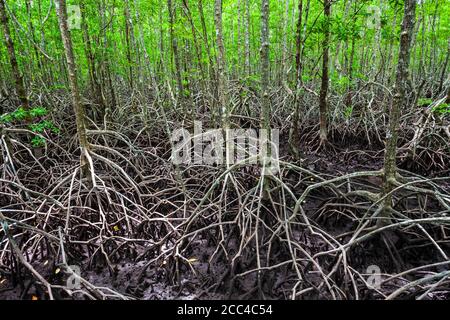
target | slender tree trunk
[
  {"x": 20, "y": 87},
  {"x": 220, "y": 64},
  {"x": 247, "y": 38},
  {"x": 390, "y": 168},
  {"x": 448, "y": 96},
  {"x": 295, "y": 134},
  {"x": 444, "y": 69},
  {"x": 161, "y": 41},
  {"x": 323, "y": 99},
  {"x": 32, "y": 34},
  {"x": 284, "y": 69},
  {"x": 265, "y": 101},
  {"x": 205, "y": 32},
  {"x": 265, "y": 110},
  {"x": 339, "y": 42},
  {"x": 107, "y": 61},
  {"x": 176, "y": 57},
  {"x": 128, "y": 44},
  {"x": 266, "y": 150},
  {"x": 76, "y": 99},
  {"x": 198, "y": 51},
  {"x": 95, "y": 84},
  {"x": 349, "y": 96},
  {"x": 47, "y": 66}
]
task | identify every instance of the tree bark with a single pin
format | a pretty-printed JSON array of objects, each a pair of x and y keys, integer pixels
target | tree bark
[
  {"x": 284, "y": 69},
  {"x": 128, "y": 44},
  {"x": 390, "y": 168},
  {"x": 220, "y": 64},
  {"x": 176, "y": 56},
  {"x": 78, "y": 108},
  {"x": 294, "y": 136},
  {"x": 20, "y": 87},
  {"x": 323, "y": 99},
  {"x": 95, "y": 84},
  {"x": 247, "y": 38},
  {"x": 265, "y": 108}
]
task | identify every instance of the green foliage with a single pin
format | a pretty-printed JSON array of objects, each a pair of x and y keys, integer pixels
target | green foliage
[
  {"x": 340, "y": 83},
  {"x": 424, "y": 102},
  {"x": 41, "y": 126},
  {"x": 38, "y": 112},
  {"x": 21, "y": 114},
  {"x": 38, "y": 124},
  {"x": 38, "y": 142},
  {"x": 348, "y": 112},
  {"x": 149, "y": 21},
  {"x": 442, "y": 109}
]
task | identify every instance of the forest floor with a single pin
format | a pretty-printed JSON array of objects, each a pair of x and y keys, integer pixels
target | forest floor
[{"x": 135, "y": 273}]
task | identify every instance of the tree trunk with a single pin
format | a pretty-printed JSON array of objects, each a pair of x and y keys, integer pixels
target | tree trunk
[
  {"x": 128, "y": 44},
  {"x": 323, "y": 103},
  {"x": 95, "y": 84},
  {"x": 349, "y": 96},
  {"x": 448, "y": 96},
  {"x": 398, "y": 102},
  {"x": 265, "y": 110},
  {"x": 28, "y": 4},
  {"x": 247, "y": 38},
  {"x": 198, "y": 50},
  {"x": 76, "y": 100},
  {"x": 294, "y": 136},
  {"x": 444, "y": 69},
  {"x": 176, "y": 56},
  {"x": 220, "y": 64},
  {"x": 20, "y": 87},
  {"x": 284, "y": 69}
]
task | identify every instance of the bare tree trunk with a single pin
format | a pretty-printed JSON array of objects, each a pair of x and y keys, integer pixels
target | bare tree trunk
[
  {"x": 107, "y": 61},
  {"x": 266, "y": 147},
  {"x": 48, "y": 67},
  {"x": 265, "y": 110},
  {"x": 349, "y": 96},
  {"x": 220, "y": 64},
  {"x": 20, "y": 87},
  {"x": 390, "y": 168},
  {"x": 95, "y": 84},
  {"x": 323, "y": 103},
  {"x": 444, "y": 69},
  {"x": 128, "y": 44},
  {"x": 284, "y": 69},
  {"x": 247, "y": 37},
  {"x": 339, "y": 42},
  {"x": 198, "y": 50},
  {"x": 78, "y": 108},
  {"x": 294, "y": 134},
  {"x": 176, "y": 57},
  {"x": 448, "y": 96},
  {"x": 28, "y": 4}
]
